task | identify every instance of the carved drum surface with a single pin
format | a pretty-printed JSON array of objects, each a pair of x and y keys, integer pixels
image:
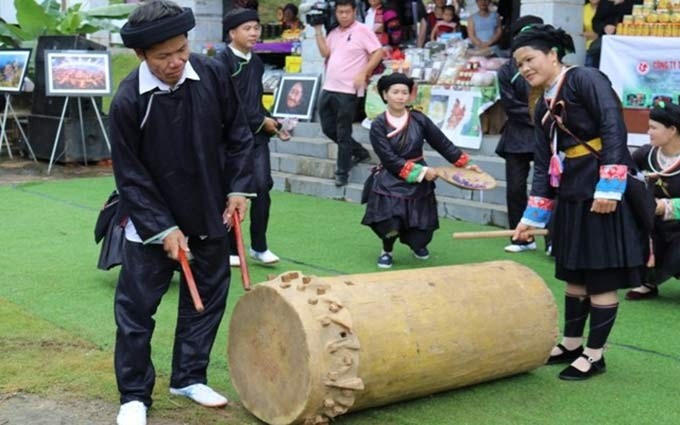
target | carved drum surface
[{"x": 303, "y": 349}]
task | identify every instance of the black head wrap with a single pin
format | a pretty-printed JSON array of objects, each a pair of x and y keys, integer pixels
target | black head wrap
[
  {"x": 146, "y": 34},
  {"x": 524, "y": 21},
  {"x": 666, "y": 113},
  {"x": 544, "y": 38},
  {"x": 292, "y": 8},
  {"x": 233, "y": 20},
  {"x": 387, "y": 81}
]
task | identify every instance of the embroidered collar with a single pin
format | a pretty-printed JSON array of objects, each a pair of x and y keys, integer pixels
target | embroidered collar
[{"x": 239, "y": 54}]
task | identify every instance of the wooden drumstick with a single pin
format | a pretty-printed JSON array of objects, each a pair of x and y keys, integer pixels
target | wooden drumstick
[
  {"x": 191, "y": 283},
  {"x": 496, "y": 234},
  {"x": 245, "y": 276}
]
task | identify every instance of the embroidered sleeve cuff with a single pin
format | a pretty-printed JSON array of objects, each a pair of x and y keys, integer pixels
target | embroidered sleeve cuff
[
  {"x": 462, "y": 161},
  {"x": 612, "y": 182},
  {"x": 414, "y": 174},
  {"x": 421, "y": 176},
  {"x": 672, "y": 209},
  {"x": 260, "y": 127},
  {"x": 247, "y": 195},
  {"x": 538, "y": 211},
  {"x": 406, "y": 170},
  {"x": 159, "y": 237}
]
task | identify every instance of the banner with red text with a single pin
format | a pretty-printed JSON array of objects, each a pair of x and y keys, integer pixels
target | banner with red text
[{"x": 643, "y": 70}]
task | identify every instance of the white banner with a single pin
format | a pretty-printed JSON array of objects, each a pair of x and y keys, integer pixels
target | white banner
[{"x": 643, "y": 71}]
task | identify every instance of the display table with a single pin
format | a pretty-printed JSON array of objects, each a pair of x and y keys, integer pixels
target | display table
[
  {"x": 643, "y": 71},
  {"x": 275, "y": 47}
]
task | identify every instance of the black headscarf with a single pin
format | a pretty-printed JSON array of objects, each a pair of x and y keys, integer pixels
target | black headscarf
[
  {"x": 387, "y": 81},
  {"x": 524, "y": 21},
  {"x": 238, "y": 17},
  {"x": 666, "y": 113},
  {"x": 544, "y": 38},
  {"x": 146, "y": 34}
]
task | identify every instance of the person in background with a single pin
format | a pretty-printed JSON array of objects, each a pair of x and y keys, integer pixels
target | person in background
[
  {"x": 588, "y": 14},
  {"x": 351, "y": 51},
  {"x": 597, "y": 242},
  {"x": 181, "y": 171},
  {"x": 435, "y": 13},
  {"x": 450, "y": 22},
  {"x": 290, "y": 18},
  {"x": 484, "y": 27},
  {"x": 516, "y": 144},
  {"x": 374, "y": 20},
  {"x": 608, "y": 14},
  {"x": 660, "y": 160},
  {"x": 401, "y": 202},
  {"x": 413, "y": 19},
  {"x": 245, "y": 69}
]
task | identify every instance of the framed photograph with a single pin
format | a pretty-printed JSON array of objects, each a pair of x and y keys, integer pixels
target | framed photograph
[
  {"x": 13, "y": 66},
  {"x": 77, "y": 73},
  {"x": 296, "y": 96}
]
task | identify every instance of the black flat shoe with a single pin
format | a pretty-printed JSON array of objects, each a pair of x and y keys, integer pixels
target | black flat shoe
[
  {"x": 639, "y": 296},
  {"x": 573, "y": 374},
  {"x": 566, "y": 356}
]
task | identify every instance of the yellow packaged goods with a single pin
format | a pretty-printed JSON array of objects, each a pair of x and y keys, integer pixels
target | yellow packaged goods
[
  {"x": 268, "y": 101},
  {"x": 652, "y": 18},
  {"x": 637, "y": 10},
  {"x": 627, "y": 19},
  {"x": 664, "y": 15},
  {"x": 293, "y": 64}
]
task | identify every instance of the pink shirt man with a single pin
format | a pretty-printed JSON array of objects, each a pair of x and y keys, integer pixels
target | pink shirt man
[{"x": 350, "y": 49}]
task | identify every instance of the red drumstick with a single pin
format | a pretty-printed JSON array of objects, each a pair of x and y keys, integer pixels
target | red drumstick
[
  {"x": 245, "y": 277},
  {"x": 191, "y": 283}
]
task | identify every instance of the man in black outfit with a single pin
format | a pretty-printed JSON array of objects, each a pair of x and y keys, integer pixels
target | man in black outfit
[
  {"x": 246, "y": 69},
  {"x": 179, "y": 144},
  {"x": 517, "y": 141}
]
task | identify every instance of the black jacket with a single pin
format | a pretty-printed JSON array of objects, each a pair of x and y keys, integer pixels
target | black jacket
[
  {"x": 179, "y": 166},
  {"x": 518, "y": 131}
]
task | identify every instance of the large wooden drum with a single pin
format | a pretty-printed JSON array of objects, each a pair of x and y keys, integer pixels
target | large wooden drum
[{"x": 303, "y": 349}]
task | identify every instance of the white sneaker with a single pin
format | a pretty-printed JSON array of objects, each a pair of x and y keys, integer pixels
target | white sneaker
[
  {"x": 201, "y": 394},
  {"x": 132, "y": 413},
  {"x": 234, "y": 261},
  {"x": 521, "y": 248},
  {"x": 266, "y": 257}
]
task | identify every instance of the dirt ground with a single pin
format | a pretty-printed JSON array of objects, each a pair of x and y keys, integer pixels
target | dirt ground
[
  {"x": 28, "y": 409},
  {"x": 20, "y": 170}
]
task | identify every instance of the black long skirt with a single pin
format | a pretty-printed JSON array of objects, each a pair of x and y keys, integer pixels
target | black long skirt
[{"x": 603, "y": 252}]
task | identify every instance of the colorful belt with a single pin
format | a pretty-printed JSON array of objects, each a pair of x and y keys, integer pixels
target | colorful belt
[{"x": 581, "y": 150}]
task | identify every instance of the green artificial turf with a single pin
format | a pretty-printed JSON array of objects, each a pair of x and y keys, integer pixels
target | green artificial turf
[{"x": 57, "y": 328}]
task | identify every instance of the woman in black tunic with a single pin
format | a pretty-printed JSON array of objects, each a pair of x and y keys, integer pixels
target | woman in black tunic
[
  {"x": 597, "y": 245},
  {"x": 401, "y": 202},
  {"x": 660, "y": 161}
]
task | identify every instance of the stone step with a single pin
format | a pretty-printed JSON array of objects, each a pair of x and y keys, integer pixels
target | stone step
[
  {"x": 325, "y": 149},
  {"x": 325, "y": 169},
  {"x": 450, "y": 207},
  {"x": 312, "y": 130}
]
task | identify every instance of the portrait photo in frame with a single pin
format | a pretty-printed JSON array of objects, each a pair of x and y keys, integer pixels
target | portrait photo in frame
[
  {"x": 296, "y": 96},
  {"x": 13, "y": 66},
  {"x": 77, "y": 73}
]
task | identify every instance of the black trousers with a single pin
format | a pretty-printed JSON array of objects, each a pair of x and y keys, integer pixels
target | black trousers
[
  {"x": 336, "y": 112},
  {"x": 261, "y": 204},
  {"x": 144, "y": 279},
  {"x": 517, "y": 167}
]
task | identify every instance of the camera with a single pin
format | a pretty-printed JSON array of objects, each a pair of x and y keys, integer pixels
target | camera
[{"x": 322, "y": 13}]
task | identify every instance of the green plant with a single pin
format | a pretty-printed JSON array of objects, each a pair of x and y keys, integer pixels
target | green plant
[{"x": 46, "y": 18}]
